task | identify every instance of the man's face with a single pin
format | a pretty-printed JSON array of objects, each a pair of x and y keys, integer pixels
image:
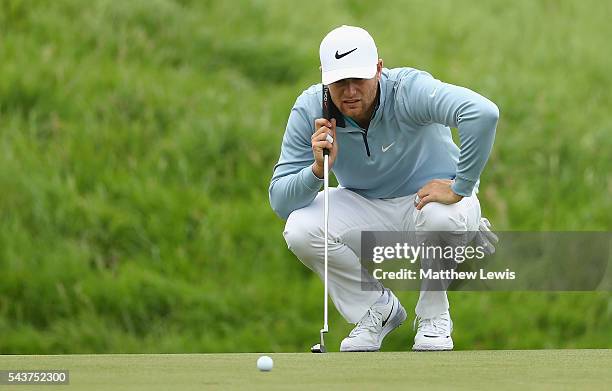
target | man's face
[{"x": 355, "y": 97}]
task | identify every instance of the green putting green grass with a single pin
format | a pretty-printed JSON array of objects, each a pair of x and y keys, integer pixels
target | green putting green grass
[{"x": 460, "y": 370}]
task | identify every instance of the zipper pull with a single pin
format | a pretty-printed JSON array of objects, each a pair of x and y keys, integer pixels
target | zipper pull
[{"x": 365, "y": 141}]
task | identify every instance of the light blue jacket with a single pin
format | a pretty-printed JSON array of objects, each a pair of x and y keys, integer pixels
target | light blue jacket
[{"x": 409, "y": 142}]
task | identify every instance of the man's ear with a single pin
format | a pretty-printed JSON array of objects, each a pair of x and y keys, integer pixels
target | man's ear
[{"x": 379, "y": 68}]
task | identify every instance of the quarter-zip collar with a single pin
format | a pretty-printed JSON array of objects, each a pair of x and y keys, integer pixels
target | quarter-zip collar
[
  {"x": 376, "y": 114},
  {"x": 364, "y": 132}
]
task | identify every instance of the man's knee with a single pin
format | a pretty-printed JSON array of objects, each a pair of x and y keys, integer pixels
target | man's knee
[
  {"x": 301, "y": 233},
  {"x": 440, "y": 217}
]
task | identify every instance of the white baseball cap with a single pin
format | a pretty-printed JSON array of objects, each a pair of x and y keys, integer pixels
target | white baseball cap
[{"x": 347, "y": 52}]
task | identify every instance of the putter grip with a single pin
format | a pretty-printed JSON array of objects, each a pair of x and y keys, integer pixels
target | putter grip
[{"x": 326, "y": 110}]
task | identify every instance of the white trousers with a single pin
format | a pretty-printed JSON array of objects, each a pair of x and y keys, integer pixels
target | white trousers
[{"x": 349, "y": 214}]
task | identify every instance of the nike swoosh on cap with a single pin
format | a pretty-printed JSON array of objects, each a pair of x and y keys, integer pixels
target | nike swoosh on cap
[{"x": 339, "y": 56}]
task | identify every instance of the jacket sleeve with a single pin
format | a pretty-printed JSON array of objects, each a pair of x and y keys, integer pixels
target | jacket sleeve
[
  {"x": 428, "y": 100},
  {"x": 294, "y": 185}
]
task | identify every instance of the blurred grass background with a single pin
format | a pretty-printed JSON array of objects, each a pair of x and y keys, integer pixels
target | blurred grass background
[{"x": 137, "y": 140}]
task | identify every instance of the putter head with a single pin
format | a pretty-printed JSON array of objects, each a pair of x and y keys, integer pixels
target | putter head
[{"x": 319, "y": 347}]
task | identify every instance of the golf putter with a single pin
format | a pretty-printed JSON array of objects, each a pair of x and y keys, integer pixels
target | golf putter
[{"x": 320, "y": 347}]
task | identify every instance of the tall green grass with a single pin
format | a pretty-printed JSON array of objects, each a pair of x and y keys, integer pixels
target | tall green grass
[{"x": 137, "y": 140}]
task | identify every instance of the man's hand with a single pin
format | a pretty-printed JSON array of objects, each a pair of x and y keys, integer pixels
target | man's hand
[
  {"x": 319, "y": 141},
  {"x": 437, "y": 190}
]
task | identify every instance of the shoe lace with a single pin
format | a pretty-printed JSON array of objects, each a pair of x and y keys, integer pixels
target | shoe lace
[
  {"x": 371, "y": 322},
  {"x": 436, "y": 325}
]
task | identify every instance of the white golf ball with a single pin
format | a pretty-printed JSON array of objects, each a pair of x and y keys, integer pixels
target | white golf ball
[{"x": 265, "y": 363}]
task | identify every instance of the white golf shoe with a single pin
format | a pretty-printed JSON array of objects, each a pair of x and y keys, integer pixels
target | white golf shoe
[
  {"x": 434, "y": 333},
  {"x": 383, "y": 317}
]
